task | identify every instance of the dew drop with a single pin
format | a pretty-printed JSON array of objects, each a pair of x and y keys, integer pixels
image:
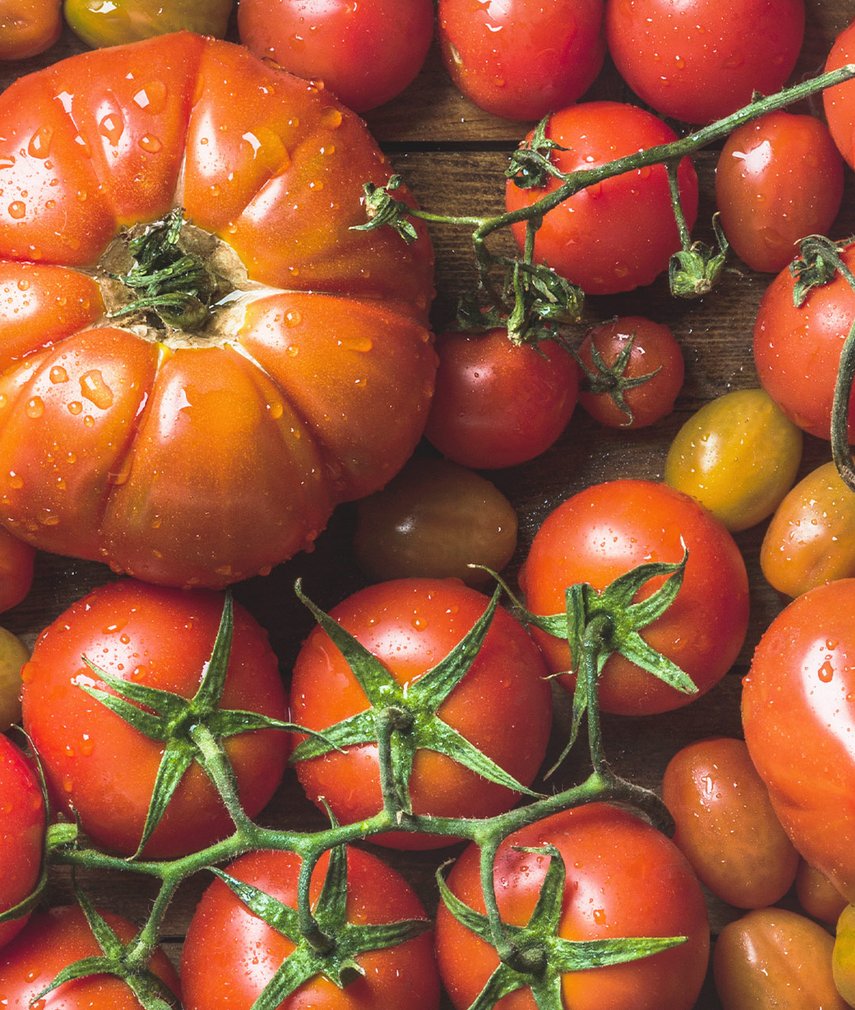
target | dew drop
[
  {"x": 331, "y": 118},
  {"x": 58, "y": 374},
  {"x": 826, "y": 672},
  {"x": 293, "y": 317},
  {"x": 17, "y": 210},
  {"x": 39, "y": 146},
  {"x": 75, "y": 407},
  {"x": 276, "y": 410},
  {"x": 149, "y": 143},
  {"x": 152, "y": 97},
  {"x": 112, "y": 126},
  {"x": 361, "y": 344},
  {"x": 95, "y": 389},
  {"x": 35, "y": 407}
]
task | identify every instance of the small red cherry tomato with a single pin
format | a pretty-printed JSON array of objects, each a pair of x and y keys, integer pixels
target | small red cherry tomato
[
  {"x": 16, "y": 570},
  {"x": 839, "y": 101}
]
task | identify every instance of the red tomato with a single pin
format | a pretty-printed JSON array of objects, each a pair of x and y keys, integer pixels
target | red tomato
[
  {"x": 365, "y": 51},
  {"x": 198, "y": 458},
  {"x": 839, "y": 102},
  {"x": 499, "y": 404},
  {"x": 606, "y": 530},
  {"x": 16, "y": 570},
  {"x": 699, "y": 60},
  {"x": 797, "y": 348},
  {"x": 22, "y": 833},
  {"x": 651, "y": 350},
  {"x": 55, "y": 939},
  {"x": 522, "y": 58},
  {"x": 225, "y": 938},
  {"x": 778, "y": 179},
  {"x": 502, "y": 705},
  {"x": 624, "y": 879},
  {"x": 618, "y": 234},
  {"x": 105, "y": 769},
  {"x": 28, "y": 27},
  {"x": 797, "y": 713}
]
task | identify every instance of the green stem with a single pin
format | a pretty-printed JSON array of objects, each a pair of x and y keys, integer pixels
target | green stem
[
  {"x": 840, "y": 450},
  {"x": 671, "y": 168},
  {"x": 594, "y": 645},
  {"x": 221, "y": 773}
]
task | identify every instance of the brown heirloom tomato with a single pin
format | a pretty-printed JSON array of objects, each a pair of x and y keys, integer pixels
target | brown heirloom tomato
[
  {"x": 197, "y": 456},
  {"x": 28, "y": 27},
  {"x": 112, "y": 24}
]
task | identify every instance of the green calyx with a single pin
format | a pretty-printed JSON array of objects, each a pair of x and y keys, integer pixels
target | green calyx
[
  {"x": 384, "y": 210},
  {"x": 612, "y": 379},
  {"x": 531, "y": 165},
  {"x": 696, "y": 269},
  {"x": 817, "y": 264}
]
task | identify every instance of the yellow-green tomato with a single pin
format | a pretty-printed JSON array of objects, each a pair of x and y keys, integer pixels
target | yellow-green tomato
[
  {"x": 13, "y": 655},
  {"x": 738, "y": 456},
  {"x": 115, "y": 22},
  {"x": 843, "y": 955}
]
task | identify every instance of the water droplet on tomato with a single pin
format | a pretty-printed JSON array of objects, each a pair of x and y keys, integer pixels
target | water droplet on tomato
[
  {"x": 35, "y": 407},
  {"x": 49, "y": 520},
  {"x": 331, "y": 118},
  {"x": 360, "y": 344},
  {"x": 149, "y": 143},
  {"x": 111, "y": 127},
  {"x": 7, "y": 161},
  {"x": 39, "y": 146},
  {"x": 75, "y": 407},
  {"x": 58, "y": 374},
  {"x": 276, "y": 410},
  {"x": 87, "y": 746},
  {"x": 68, "y": 784},
  {"x": 826, "y": 672},
  {"x": 17, "y": 210},
  {"x": 95, "y": 389}
]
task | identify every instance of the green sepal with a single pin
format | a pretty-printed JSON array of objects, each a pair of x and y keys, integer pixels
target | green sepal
[
  {"x": 275, "y": 913},
  {"x": 530, "y": 166},
  {"x": 178, "y": 756},
  {"x": 695, "y": 271},
  {"x": 816, "y": 265},
  {"x": 359, "y": 728},
  {"x": 383, "y": 210},
  {"x": 541, "y": 302},
  {"x": 612, "y": 380}
]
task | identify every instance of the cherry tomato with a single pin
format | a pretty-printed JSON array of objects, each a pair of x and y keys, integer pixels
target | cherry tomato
[
  {"x": 434, "y": 520},
  {"x": 104, "y": 768},
  {"x": 28, "y": 27},
  {"x": 522, "y": 58},
  {"x": 498, "y": 404},
  {"x": 624, "y": 879},
  {"x": 610, "y": 394},
  {"x": 224, "y": 937},
  {"x": 13, "y": 655},
  {"x": 843, "y": 955},
  {"x": 773, "y": 959},
  {"x": 618, "y": 234},
  {"x": 366, "y": 52},
  {"x": 502, "y": 705},
  {"x": 817, "y": 895},
  {"x": 699, "y": 60},
  {"x": 811, "y": 538},
  {"x": 725, "y": 825},
  {"x": 738, "y": 456},
  {"x": 797, "y": 710},
  {"x": 797, "y": 348},
  {"x": 839, "y": 101},
  {"x": 778, "y": 179},
  {"x": 122, "y": 21},
  {"x": 52, "y": 941},
  {"x": 604, "y": 531},
  {"x": 16, "y": 570}
]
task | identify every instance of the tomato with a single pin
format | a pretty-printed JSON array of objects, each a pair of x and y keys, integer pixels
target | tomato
[
  {"x": 797, "y": 709},
  {"x": 839, "y": 101},
  {"x": 365, "y": 51},
  {"x": 496, "y": 403},
  {"x": 618, "y": 234},
  {"x": 502, "y": 705},
  {"x": 797, "y": 348},
  {"x": 725, "y": 824},
  {"x": 604, "y": 531},
  {"x": 13, "y": 655},
  {"x": 197, "y": 457},
  {"x": 435, "y": 519},
  {"x": 105, "y": 769},
  {"x": 522, "y": 59},
  {"x": 700, "y": 60},
  {"x": 817, "y": 895},
  {"x": 811, "y": 538},
  {"x": 778, "y": 179},
  {"x": 121, "y": 21},
  {"x": 843, "y": 955},
  {"x": 774, "y": 959},
  {"x": 624, "y": 879},
  {"x": 28, "y": 27},
  {"x": 16, "y": 570},
  {"x": 55, "y": 939},
  {"x": 630, "y": 347},
  {"x": 738, "y": 456}
]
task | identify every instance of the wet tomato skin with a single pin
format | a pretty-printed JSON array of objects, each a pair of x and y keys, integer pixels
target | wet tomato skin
[
  {"x": 16, "y": 570},
  {"x": 819, "y": 898},
  {"x": 29, "y": 27}
]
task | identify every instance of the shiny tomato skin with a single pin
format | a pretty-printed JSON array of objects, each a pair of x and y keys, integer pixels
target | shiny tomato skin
[
  {"x": 819, "y": 898},
  {"x": 797, "y": 348},
  {"x": 28, "y": 27},
  {"x": 502, "y": 705},
  {"x": 699, "y": 60},
  {"x": 839, "y": 101},
  {"x": 223, "y": 936},
  {"x": 607, "y": 529},
  {"x": 624, "y": 878},
  {"x": 123, "y": 21},
  {"x": 725, "y": 825},
  {"x": 16, "y": 570},
  {"x": 522, "y": 59},
  {"x": 498, "y": 404},
  {"x": 778, "y": 179},
  {"x": 796, "y": 713},
  {"x": 103, "y": 768},
  {"x": 365, "y": 52},
  {"x": 57, "y": 938},
  {"x": 618, "y": 234}
]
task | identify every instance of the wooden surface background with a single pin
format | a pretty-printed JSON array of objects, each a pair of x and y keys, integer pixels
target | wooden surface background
[{"x": 453, "y": 156}]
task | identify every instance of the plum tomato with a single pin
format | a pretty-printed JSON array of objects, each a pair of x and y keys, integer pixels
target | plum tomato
[
  {"x": 839, "y": 101},
  {"x": 617, "y": 234},
  {"x": 616, "y": 356},
  {"x": 434, "y": 520},
  {"x": 738, "y": 456},
  {"x": 16, "y": 570},
  {"x": 843, "y": 955},
  {"x": 364, "y": 51},
  {"x": 772, "y": 958},
  {"x": 725, "y": 825},
  {"x": 699, "y": 60},
  {"x": 28, "y": 27},
  {"x": 811, "y": 538},
  {"x": 778, "y": 179},
  {"x": 798, "y": 701},
  {"x": 123, "y": 21},
  {"x": 521, "y": 59},
  {"x": 817, "y": 895},
  {"x": 624, "y": 879},
  {"x": 605, "y": 531},
  {"x": 13, "y": 655},
  {"x": 57, "y": 938},
  {"x": 497, "y": 403},
  {"x": 105, "y": 769},
  {"x": 502, "y": 704}
]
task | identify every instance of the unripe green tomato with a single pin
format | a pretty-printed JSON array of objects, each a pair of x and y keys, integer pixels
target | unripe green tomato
[
  {"x": 738, "y": 456},
  {"x": 13, "y": 655},
  {"x": 843, "y": 955},
  {"x": 120, "y": 21}
]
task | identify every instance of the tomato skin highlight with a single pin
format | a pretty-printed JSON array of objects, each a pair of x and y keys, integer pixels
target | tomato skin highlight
[
  {"x": 124, "y": 21},
  {"x": 839, "y": 101},
  {"x": 16, "y": 570},
  {"x": 28, "y": 27}
]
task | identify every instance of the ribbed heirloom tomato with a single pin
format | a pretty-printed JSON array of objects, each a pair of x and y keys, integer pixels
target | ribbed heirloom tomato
[{"x": 181, "y": 442}]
